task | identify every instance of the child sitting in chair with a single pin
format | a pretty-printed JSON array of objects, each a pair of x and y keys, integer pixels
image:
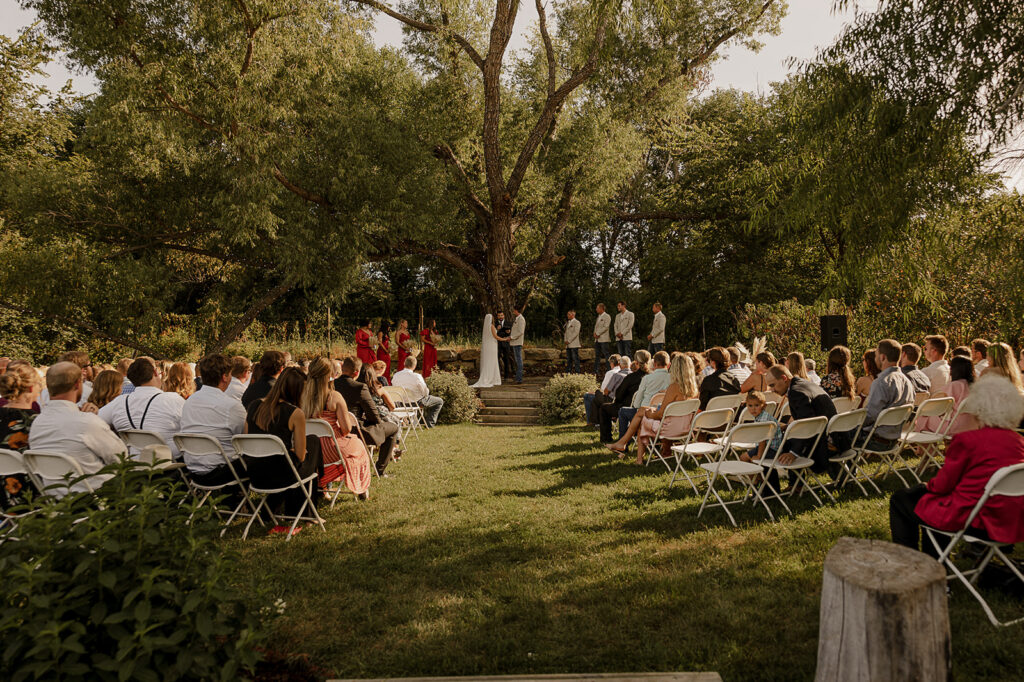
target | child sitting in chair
[{"x": 756, "y": 408}]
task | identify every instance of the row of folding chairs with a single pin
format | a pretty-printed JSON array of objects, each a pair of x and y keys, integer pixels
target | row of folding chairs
[{"x": 408, "y": 411}]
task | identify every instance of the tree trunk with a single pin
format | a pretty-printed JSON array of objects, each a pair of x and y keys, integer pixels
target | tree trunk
[
  {"x": 247, "y": 318},
  {"x": 884, "y": 615}
]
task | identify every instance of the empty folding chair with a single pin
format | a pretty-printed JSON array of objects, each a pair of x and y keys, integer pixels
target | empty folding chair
[
  {"x": 844, "y": 404},
  {"x": 203, "y": 447},
  {"x": 58, "y": 475},
  {"x": 928, "y": 442},
  {"x": 744, "y": 472},
  {"x": 676, "y": 410},
  {"x": 367, "y": 445},
  {"x": 732, "y": 402},
  {"x": 811, "y": 429},
  {"x": 322, "y": 429},
  {"x": 265, "y": 445},
  {"x": 691, "y": 450},
  {"x": 1009, "y": 482},
  {"x": 408, "y": 411},
  {"x": 892, "y": 417},
  {"x": 849, "y": 422}
]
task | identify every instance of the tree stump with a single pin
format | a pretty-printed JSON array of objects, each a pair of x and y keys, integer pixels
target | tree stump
[{"x": 884, "y": 615}]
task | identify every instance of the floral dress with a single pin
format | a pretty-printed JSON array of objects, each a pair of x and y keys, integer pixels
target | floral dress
[{"x": 14, "y": 425}]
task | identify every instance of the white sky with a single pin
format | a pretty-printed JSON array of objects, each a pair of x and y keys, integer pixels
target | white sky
[{"x": 808, "y": 26}]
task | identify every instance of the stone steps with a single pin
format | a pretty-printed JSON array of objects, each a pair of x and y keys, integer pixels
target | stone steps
[
  {"x": 511, "y": 404},
  {"x": 507, "y": 419}
]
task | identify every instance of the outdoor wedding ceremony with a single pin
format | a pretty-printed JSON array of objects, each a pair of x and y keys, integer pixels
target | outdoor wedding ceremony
[{"x": 548, "y": 340}]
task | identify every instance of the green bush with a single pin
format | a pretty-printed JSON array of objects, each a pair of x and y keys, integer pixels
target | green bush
[
  {"x": 460, "y": 401},
  {"x": 562, "y": 399},
  {"x": 122, "y": 587}
]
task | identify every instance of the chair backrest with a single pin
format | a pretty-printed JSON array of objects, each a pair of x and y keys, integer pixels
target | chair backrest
[
  {"x": 936, "y": 407},
  {"x": 1008, "y": 481},
  {"x": 920, "y": 397},
  {"x": 138, "y": 439},
  {"x": 784, "y": 411},
  {"x": 847, "y": 421},
  {"x": 752, "y": 432},
  {"x": 319, "y": 428},
  {"x": 397, "y": 394},
  {"x": 712, "y": 419},
  {"x": 11, "y": 463},
  {"x": 681, "y": 408},
  {"x": 723, "y": 401},
  {"x": 198, "y": 444},
  {"x": 158, "y": 454},
  {"x": 772, "y": 397},
  {"x": 258, "y": 445},
  {"x": 53, "y": 466},
  {"x": 894, "y": 416},
  {"x": 656, "y": 399},
  {"x": 358, "y": 429},
  {"x": 802, "y": 429},
  {"x": 844, "y": 404}
]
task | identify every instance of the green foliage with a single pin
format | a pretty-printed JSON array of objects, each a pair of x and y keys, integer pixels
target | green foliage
[
  {"x": 561, "y": 400},
  {"x": 460, "y": 401},
  {"x": 121, "y": 586}
]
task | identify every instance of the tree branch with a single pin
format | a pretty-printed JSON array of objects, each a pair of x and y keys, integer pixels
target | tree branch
[
  {"x": 248, "y": 316},
  {"x": 299, "y": 191},
  {"x": 547, "y": 258},
  {"x": 426, "y": 27},
  {"x": 446, "y": 154},
  {"x": 549, "y": 50}
]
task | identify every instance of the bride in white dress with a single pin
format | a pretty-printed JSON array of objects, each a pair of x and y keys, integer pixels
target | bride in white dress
[{"x": 490, "y": 375}]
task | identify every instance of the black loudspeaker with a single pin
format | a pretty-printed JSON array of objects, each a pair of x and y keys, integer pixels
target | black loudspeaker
[{"x": 833, "y": 331}]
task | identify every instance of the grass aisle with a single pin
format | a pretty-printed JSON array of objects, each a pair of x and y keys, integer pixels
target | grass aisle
[{"x": 528, "y": 550}]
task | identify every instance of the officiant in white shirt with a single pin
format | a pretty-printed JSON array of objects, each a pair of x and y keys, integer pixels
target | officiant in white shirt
[
  {"x": 624, "y": 329},
  {"x": 657, "y": 335},
  {"x": 572, "y": 343}
]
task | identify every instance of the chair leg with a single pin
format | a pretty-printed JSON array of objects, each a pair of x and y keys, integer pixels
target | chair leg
[{"x": 256, "y": 513}]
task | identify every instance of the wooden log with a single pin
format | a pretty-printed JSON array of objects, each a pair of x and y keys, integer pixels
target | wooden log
[{"x": 884, "y": 615}]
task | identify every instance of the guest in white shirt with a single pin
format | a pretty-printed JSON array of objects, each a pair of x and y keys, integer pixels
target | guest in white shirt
[
  {"x": 624, "y": 329},
  {"x": 241, "y": 372},
  {"x": 812, "y": 373},
  {"x": 657, "y": 335},
  {"x": 588, "y": 398},
  {"x": 64, "y": 429},
  {"x": 417, "y": 390},
  {"x": 148, "y": 407},
  {"x": 937, "y": 371},
  {"x": 979, "y": 355},
  {"x": 655, "y": 382},
  {"x": 122, "y": 368},
  {"x": 738, "y": 369},
  {"x": 80, "y": 358},
  {"x": 213, "y": 412}
]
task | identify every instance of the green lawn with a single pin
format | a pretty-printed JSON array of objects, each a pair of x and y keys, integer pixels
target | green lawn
[{"x": 529, "y": 550}]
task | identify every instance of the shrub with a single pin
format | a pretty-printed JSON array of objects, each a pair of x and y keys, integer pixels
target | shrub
[
  {"x": 562, "y": 399},
  {"x": 460, "y": 401},
  {"x": 122, "y": 587}
]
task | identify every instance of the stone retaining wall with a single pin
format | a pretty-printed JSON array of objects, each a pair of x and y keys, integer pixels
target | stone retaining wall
[{"x": 469, "y": 359}]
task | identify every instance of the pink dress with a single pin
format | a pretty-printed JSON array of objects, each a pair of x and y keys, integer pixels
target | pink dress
[
  {"x": 352, "y": 462},
  {"x": 675, "y": 427},
  {"x": 957, "y": 390}
]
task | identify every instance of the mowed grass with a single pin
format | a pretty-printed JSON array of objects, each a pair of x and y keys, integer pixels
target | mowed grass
[{"x": 532, "y": 550}]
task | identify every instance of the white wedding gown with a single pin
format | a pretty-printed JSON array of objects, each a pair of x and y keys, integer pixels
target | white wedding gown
[{"x": 490, "y": 374}]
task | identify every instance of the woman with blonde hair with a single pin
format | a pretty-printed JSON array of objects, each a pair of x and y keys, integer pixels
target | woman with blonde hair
[
  {"x": 320, "y": 401},
  {"x": 20, "y": 387},
  {"x": 648, "y": 419},
  {"x": 1002, "y": 362},
  {"x": 796, "y": 364},
  {"x": 180, "y": 379},
  {"x": 105, "y": 387}
]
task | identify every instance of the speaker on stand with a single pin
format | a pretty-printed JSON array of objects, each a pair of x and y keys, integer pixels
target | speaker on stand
[{"x": 833, "y": 331}]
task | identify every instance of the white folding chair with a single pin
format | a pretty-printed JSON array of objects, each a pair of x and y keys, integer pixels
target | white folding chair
[
  {"x": 848, "y": 422},
  {"x": 203, "y": 446},
  {"x": 732, "y": 402},
  {"x": 844, "y": 404},
  {"x": 408, "y": 412},
  {"x": 680, "y": 408},
  {"x": 691, "y": 450},
  {"x": 890, "y": 417},
  {"x": 784, "y": 411},
  {"x": 745, "y": 472},
  {"x": 151, "y": 448},
  {"x": 810, "y": 429},
  {"x": 928, "y": 443},
  {"x": 323, "y": 429},
  {"x": 265, "y": 445},
  {"x": 11, "y": 464},
  {"x": 1009, "y": 482},
  {"x": 65, "y": 471},
  {"x": 367, "y": 445}
]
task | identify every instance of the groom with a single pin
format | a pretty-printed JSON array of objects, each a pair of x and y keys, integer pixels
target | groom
[{"x": 505, "y": 360}]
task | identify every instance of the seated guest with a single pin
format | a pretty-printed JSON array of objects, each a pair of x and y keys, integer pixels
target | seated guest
[
  {"x": 797, "y": 364},
  {"x": 756, "y": 380},
  {"x": 961, "y": 375},
  {"x": 267, "y": 370},
  {"x": 278, "y": 414},
  {"x": 838, "y": 381},
  {"x": 380, "y": 369},
  {"x": 80, "y": 358},
  {"x": 765, "y": 450},
  {"x": 738, "y": 369},
  {"x": 1001, "y": 361},
  {"x": 648, "y": 420},
  {"x": 962, "y": 352},
  {"x": 4, "y": 361},
  {"x": 321, "y": 401},
  {"x": 937, "y": 371},
  {"x": 623, "y": 396},
  {"x": 383, "y": 434},
  {"x": 64, "y": 429},
  {"x": 417, "y": 390},
  {"x": 699, "y": 364},
  {"x": 909, "y": 356},
  {"x": 721, "y": 381},
  {"x": 19, "y": 386},
  {"x": 27, "y": 370},
  {"x": 613, "y": 369},
  {"x": 806, "y": 399},
  {"x": 109, "y": 384},
  {"x": 212, "y": 412},
  {"x": 891, "y": 388},
  {"x": 979, "y": 355},
  {"x": 180, "y": 379},
  {"x": 947, "y": 500},
  {"x": 607, "y": 395},
  {"x": 655, "y": 382},
  {"x": 810, "y": 365},
  {"x": 122, "y": 368},
  {"x": 382, "y": 401},
  {"x": 871, "y": 371},
  {"x": 147, "y": 407},
  {"x": 241, "y": 372},
  {"x": 708, "y": 368}
]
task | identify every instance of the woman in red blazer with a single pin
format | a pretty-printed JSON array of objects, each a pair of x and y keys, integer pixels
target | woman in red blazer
[{"x": 996, "y": 408}]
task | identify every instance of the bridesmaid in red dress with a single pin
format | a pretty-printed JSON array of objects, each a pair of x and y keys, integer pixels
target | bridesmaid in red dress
[
  {"x": 384, "y": 348},
  {"x": 430, "y": 337},
  {"x": 402, "y": 339},
  {"x": 363, "y": 350}
]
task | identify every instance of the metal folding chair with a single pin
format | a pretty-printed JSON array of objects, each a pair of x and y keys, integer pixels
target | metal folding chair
[
  {"x": 151, "y": 448},
  {"x": 1009, "y": 482},
  {"x": 54, "y": 466},
  {"x": 849, "y": 422},
  {"x": 893, "y": 416},
  {"x": 367, "y": 445},
  {"x": 680, "y": 408},
  {"x": 744, "y": 472},
  {"x": 928, "y": 442},
  {"x": 691, "y": 450},
  {"x": 201, "y": 445},
  {"x": 265, "y": 445},
  {"x": 810, "y": 429},
  {"x": 323, "y": 429},
  {"x": 407, "y": 410},
  {"x": 844, "y": 404},
  {"x": 11, "y": 464}
]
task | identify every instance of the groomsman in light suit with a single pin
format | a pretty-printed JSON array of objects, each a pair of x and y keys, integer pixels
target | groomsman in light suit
[
  {"x": 572, "y": 343},
  {"x": 624, "y": 330},
  {"x": 516, "y": 341},
  {"x": 601, "y": 339},
  {"x": 657, "y": 335}
]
